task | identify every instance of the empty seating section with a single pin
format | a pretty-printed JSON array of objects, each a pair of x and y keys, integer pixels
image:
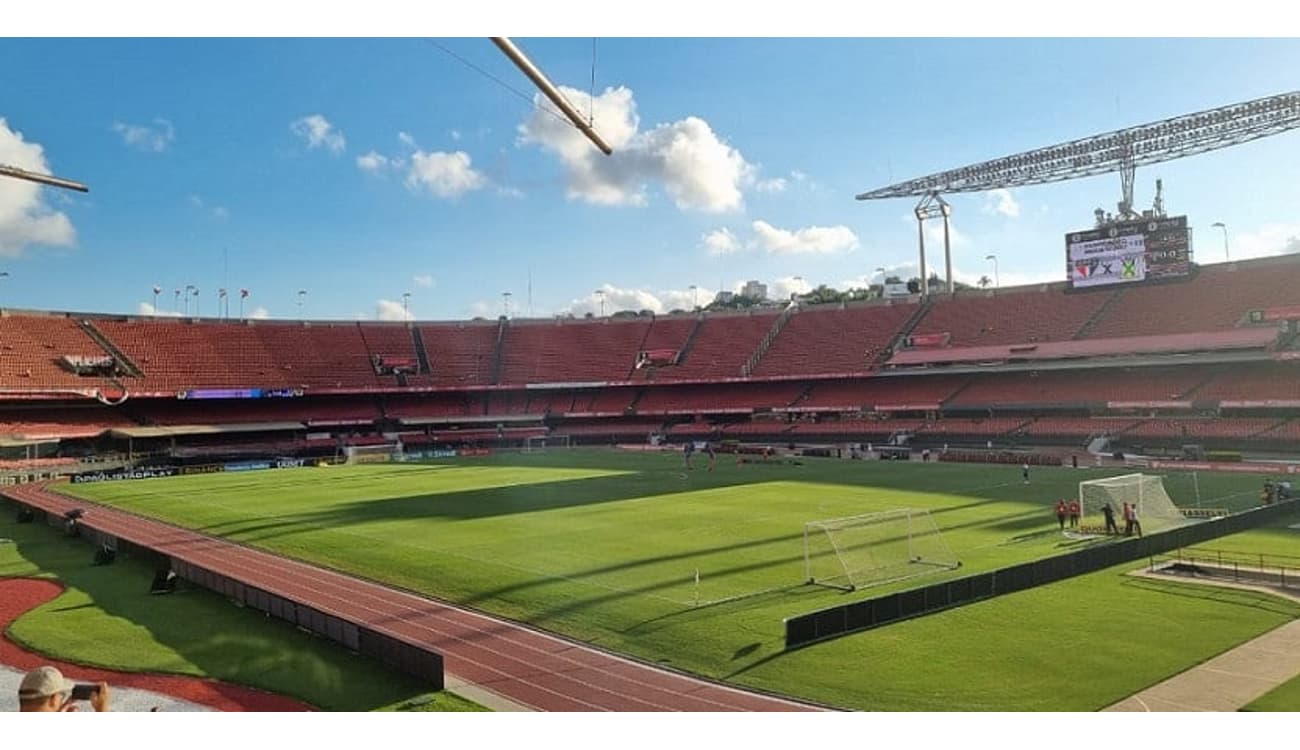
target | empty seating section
[
  {"x": 1288, "y": 431},
  {"x": 31, "y": 346},
  {"x": 67, "y": 422},
  {"x": 922, "y": 392},
  {"x": 569, "y": 351},
  {"x": 985, "y": 427},
  {"x": 816, "y": 341},
  {"x": 179, "y": 355},
  {"x": 717, "y": 398},
  {"x": 508, "y": 402},
  {"x": 1278, "y": 382},
  {"x": 321, "y": 355},
  {"x": 393, "y": 341},
  {"x": 1080, "y": 386},
  {"x": 720, "y": 347},
  {"x": 638, "y": 428},
  {"x": 867, "y": 429},
  {"x": 434, "y": 405},
  {"x": 984, "y": 319},
  {"x": 459, "y": 354},
  {"x": 669, "y": 333},
  {"x": 1218, "y": 298},
  {"x": 1193, "y": 429},
  {"x": 604, "y": 400},
  {"x": 1076, "y": 427}
]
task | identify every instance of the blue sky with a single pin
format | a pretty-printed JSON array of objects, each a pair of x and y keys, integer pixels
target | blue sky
[{"x": 359, "y": 170}]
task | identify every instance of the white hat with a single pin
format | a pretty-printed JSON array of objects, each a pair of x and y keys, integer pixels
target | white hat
[{"x": 42, "y": 682}]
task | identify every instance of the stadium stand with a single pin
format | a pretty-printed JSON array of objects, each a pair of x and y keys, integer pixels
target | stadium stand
[
  {"x": 833, "y": 341},
  {"x": 740, "y": 397},
  {"x": 32, "y": 345},
  {"x": 459, "y": 354},
  {"x": 720, "y": 346},
  {"x": 1080, "y": 387},
  {"x": 884, "y": 393},
  {"x": 1219, "y": 297},
  {"x": 566, "y": 351},
  {"x": 978, "y": 318}
]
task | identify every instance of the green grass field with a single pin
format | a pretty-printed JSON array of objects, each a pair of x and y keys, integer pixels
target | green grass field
[
  {"x": 107, "y": 618},
  {"x": 605, "y": 546}
]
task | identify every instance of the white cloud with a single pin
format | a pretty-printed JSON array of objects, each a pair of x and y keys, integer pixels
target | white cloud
[
  {"x": 809, "y": 240},
  {"x": 773, "y": 185},
  {"x": 259, "y": 313},
  {"x": 480, "y": 309},
  {"x": 318, "y": 132},
  {"x": 407, "y": 140},
  {"x": 798, "y": 176},
  {"x": 1008, "y": 277},
  {"x": 218, "y": 212},
  {"x": 446, "y": 175},
  {"x": 25, "y": 219},
  {"x": 387, "y": 309},
  {"x": 784, "y": 287},
  {"x": 934, "y": 235},
  {"x": 146, "y": 138},
  {"x": 1268, "y": 240},
  {"x": 617, "y": 298},
  {"x": 372, "y": 161},
  {"x": 455, "y": 135},
  {"x": 144, "y": 308},
  {"x": 1002, "y": 203},
  {"x": 720, "y": 242},
  {"x": 425, "y": 280},
  {"x": 695, "y": 168}
]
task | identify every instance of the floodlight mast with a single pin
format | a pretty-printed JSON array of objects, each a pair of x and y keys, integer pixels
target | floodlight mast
[
  {"x": 44, "y": 179},
  {"x": 1120, "y": 151}
]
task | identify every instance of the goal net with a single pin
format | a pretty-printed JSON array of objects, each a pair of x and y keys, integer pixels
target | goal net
[
  {"x": 1155, "y": 510},
  {"x": 868, "y": 550},
  {"x": 370, "y": 454},
  {"x": 540, "y": 443}
]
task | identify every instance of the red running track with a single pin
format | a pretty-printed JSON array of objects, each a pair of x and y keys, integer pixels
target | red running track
[
  {"x": 527, "y": 666},
  {"x": 19, "y": 595}
]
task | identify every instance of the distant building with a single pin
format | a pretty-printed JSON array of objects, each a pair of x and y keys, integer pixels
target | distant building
[
  {"x": 724, "y": 297},
  {"x": 754, "y": 290}
]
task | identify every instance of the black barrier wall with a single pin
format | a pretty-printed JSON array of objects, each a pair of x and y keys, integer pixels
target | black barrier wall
[
  {"x": 883, "y": 610},
  {"x": 398, "y": 654}
]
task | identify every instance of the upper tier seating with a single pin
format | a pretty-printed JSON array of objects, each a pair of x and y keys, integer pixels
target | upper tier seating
[
  {"x": 255, "y": 411},
  {"x": 1262, "y": 382},
  {"x": 1219, "y": 297},
  {"x": 924, "y": 392},
  {"x": 988, "y": 318},
  {"x": 568, "y": 351},
  {"x": 817, "y": 341},
  {"x": 721, "y": 346},
  {"x": 31, "y": 346},
  {"x": 64, "y": 422},
  {"x": 459, "y": 354}
]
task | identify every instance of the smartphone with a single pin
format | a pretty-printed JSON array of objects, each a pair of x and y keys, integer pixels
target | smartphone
[{"x": 84, "y": 692}]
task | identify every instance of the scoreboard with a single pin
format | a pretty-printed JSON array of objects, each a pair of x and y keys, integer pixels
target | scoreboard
[{"x": 1128, "y": 252}]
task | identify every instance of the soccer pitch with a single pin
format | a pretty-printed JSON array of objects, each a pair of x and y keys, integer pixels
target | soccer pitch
[{"x": 605, "y": 547}]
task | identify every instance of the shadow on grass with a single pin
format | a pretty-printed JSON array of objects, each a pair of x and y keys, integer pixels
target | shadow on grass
[{"x": 193, "y": 632}]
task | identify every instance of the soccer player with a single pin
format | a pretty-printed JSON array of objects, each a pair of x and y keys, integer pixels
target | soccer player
[
  {"x": 1060, "y": 513},
  {"x": 687, "y": 450},
  {"x": 1024, "y": 472},
  {"x": 1109, "y": 513},
  {"x": 1073, "y": 508},
  {"x": 713, "y": 457}
]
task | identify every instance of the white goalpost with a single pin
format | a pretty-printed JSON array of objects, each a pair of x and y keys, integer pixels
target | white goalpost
[
  {"x": 540, "y": 443},
  {"x": 860, "y": 551},
  {"x": 371, "y": 454},
  {"x": 1155, "y": 509}
]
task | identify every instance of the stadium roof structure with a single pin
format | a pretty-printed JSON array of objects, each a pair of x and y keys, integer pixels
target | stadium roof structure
[
  {"x": 44, "y": 179},
  {"x": 1117, "y": 151}
]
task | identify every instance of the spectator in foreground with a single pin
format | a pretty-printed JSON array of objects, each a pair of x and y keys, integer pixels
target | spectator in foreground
[{"x": 46, "y": 690}]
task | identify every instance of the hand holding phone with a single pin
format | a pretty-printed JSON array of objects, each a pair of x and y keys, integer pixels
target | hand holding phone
[{"x": 84, "y": 692}]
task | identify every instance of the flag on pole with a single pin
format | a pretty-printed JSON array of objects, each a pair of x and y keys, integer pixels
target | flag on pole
[
  {"x": 243, "y": 293},
  {"x": 221, "y": 292},
  {"x": 157, "y": 290}
]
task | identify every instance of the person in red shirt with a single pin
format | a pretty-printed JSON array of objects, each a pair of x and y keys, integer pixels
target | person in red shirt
[
  {"x": 1060, "y": 513},
  {"x": 1074, "y": 514}
]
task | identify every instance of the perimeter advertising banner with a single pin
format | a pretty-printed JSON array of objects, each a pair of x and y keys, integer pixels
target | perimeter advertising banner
[{"x": 1129, "y": 252}]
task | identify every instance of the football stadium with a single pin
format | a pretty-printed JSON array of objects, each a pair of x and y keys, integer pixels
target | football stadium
[{"x": 917, "y": 495}]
